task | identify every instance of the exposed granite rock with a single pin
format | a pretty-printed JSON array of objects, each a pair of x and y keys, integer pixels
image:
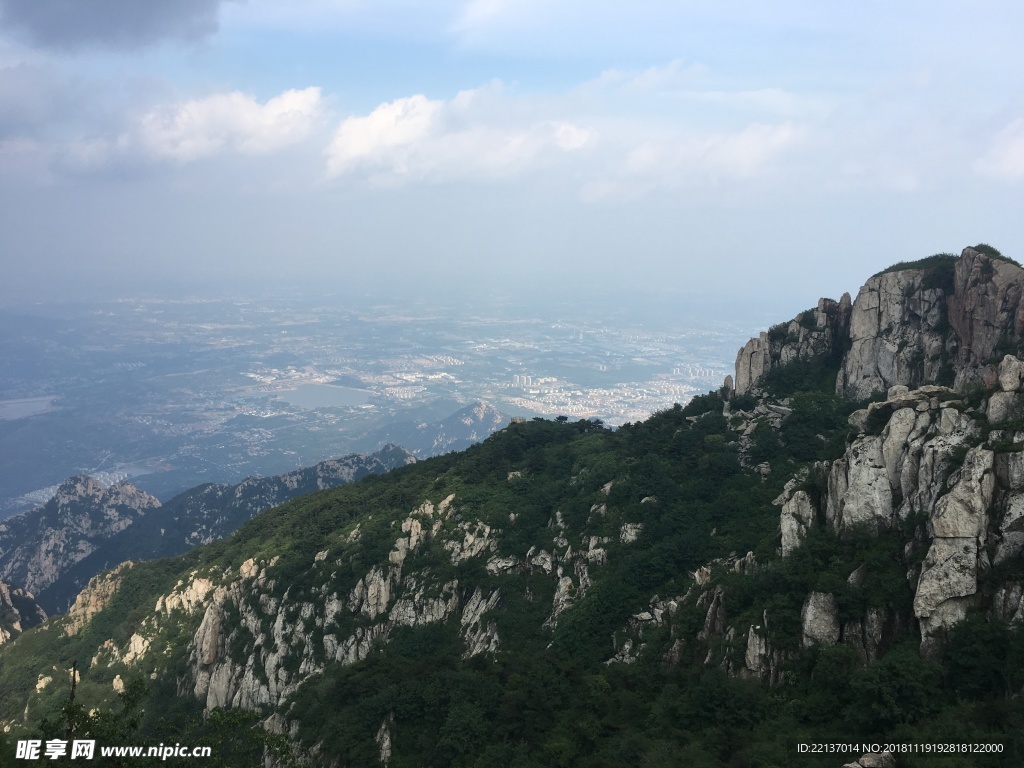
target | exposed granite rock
[
  {"x": 480, "y": 637},
  {"x": 629, "y": 643},
  {"x": 903, "y": 470},
  {"x": 868, "y": 637},
  {"x": 630, "y": 532},
  {"x": 986, "y": 309},
  {"x": 898, "y": 335},
  {"x": 715, "y": 619},
  {"x": 873, "y": 760},
  {"x": 797, "y": 517},
  {"x": 383, "y": 739},
  {"x": 564, "y": 597},
  {"x": 814, "y": 333},
  {"x": 1008, "y": 603},
  {"x": 906, "y": 327},
  {"x": 277, "y": 658},
  {"x": 94, "y": 598},
  {"x": 904, "y": 331},
  {"x": 858, "y": 487},
  {"x": 820, "y": 620},
  {"x": 760, "y": 660},
  {"x": 39, "y": 546}
]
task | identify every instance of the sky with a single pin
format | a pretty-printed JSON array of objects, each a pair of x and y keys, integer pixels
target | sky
[{"x": 735, "y": 153}]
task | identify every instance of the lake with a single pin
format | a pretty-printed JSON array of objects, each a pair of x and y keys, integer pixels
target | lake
[{"x": 312, "y": 396}]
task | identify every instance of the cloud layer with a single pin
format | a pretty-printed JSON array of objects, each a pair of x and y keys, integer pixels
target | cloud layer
[
  {"x": 229, "y": 121},
  {"x": 127, "y": 24},
  {"x": 470, "y": 136}
]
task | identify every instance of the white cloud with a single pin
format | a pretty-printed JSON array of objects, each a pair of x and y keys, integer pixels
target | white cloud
[
  {"x": 229, "y": 121},
  {"x": 476, "y": 134},
  {"x": 673, "y": 75},
  {"x": 741, "y": 153},
  {"x": 387, "y": 135},
  {"x": 1005, "y": 158}
]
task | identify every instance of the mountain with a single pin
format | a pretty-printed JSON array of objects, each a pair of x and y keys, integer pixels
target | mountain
[
  {"x": 782, "y": 561},
  {"x": 455, "y": 433},
  {"x": 85, "y": 528},
  {"x": 37, "y": 547},
  {"x": 941, "y": 320}
]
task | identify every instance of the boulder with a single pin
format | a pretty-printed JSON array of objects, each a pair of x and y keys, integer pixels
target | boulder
[
  {"x": 796, "y": 518},
  {"x": 820, "y": 619}
]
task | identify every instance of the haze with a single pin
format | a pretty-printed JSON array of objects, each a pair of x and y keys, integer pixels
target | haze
[{"x": 737, "y": 153}]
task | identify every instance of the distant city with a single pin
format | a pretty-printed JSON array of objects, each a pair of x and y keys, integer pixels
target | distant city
[{"x": 175, "y": 393}]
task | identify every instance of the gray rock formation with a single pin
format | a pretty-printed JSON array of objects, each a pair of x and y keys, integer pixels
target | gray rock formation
[
  {"x": 943, "y": 324},
  {"x": 797, "y": 517},
  {"x": 38, "y": 547},
  {"x": 928, "y": 460},
  {"x": 820, "y": 620},
  {"x": 814, "y": 333},
  {"x": 986, "y": 311},
  {"x": 899, "y": 334}
]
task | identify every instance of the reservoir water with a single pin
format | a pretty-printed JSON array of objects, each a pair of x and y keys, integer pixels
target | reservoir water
[{"x": 312, "y": 396}]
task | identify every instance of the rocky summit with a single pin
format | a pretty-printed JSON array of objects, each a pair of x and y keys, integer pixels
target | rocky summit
[
  {"x": 827, "y": 550},
  {"x": 941, "y": 320}
]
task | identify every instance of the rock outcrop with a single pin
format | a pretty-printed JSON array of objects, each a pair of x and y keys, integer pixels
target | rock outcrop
[
  {"x": 253, "y": 648},
  {"x": 94, "y": 598},
  {"x": 38, "y": 547},
  {"x": 945, "y": 321},
  {"x": 899, "y": 334},
  {"x": 814, "y": 333},
  {"x": 986, "y": 312},
  {"x": 929, "y": 460},
  {"x": 820, "y": 620}
]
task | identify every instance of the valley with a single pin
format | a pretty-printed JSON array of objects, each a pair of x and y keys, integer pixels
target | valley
[{"x": 170, "y": 394}]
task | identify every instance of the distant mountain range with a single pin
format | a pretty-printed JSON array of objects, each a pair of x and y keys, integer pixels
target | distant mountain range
[
  {"x": 86, "y": 528},
  {"x": 51, "y": 552}
]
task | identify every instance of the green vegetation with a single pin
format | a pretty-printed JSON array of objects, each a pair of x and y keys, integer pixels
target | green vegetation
[
  {"x": 939, "y": 268},
  {"x": 941, "y": 262},
  {"x": 548, "y": 697},
  {"x": 994, "y": 253}
]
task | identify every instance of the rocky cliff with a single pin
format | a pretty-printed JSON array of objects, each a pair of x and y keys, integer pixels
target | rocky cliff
[
  {"x": 943, "y": 320},
  {"x": 817, "y": 333},
  {"x": 948, "y": 478},
  {"x": 37, "y": 547}
]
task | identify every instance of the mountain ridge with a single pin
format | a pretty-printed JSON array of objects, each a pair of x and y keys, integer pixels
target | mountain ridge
[{"x": 86, "y": 528}]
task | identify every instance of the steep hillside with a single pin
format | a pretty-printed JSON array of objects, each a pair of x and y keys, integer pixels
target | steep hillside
[
  {"x": 85, "y": 529},
  {"x": 772, "y": 564}
]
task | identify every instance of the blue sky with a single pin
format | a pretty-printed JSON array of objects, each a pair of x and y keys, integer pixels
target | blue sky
[{"x": 782, "y": 150}]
